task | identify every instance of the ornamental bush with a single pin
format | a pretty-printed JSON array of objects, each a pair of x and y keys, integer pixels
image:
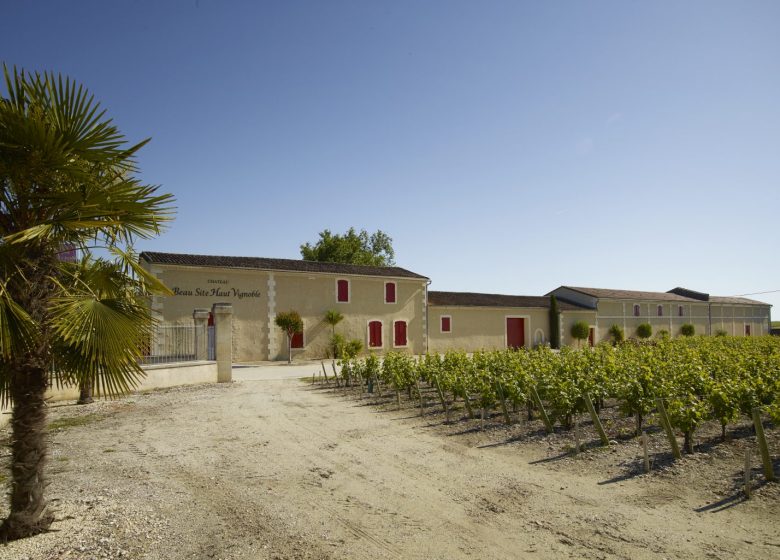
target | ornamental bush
[
  {"x": 687, "y": 329},
  {"x": 645, "y": 330},
  {"x": 580, "y": 331},
  {"x": 617, "y": 334}
]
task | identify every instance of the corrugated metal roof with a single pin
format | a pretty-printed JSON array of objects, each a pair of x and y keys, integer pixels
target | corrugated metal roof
[
  {"x": 290, "y": 265},
  {"x": 472, "y": 299}
]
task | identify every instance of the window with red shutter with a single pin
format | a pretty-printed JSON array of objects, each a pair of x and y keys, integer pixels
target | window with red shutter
[
  {"x": 375, "y": 334},
  {"x": 636, "y": 310},
  {"x": 400, "y": 333},
  {"x": 342, "y": 291},
  {"x": 297, "y": 340},
  {"x": 660, "y": 310},
  {"x": 390, "y": 292},
  {"x": 446, "y": 324}
]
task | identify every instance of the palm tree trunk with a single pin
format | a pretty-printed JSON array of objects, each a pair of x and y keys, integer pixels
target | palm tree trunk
[
  {"x": 28, "y": 451},
  {"x": 85, "y": 392}
]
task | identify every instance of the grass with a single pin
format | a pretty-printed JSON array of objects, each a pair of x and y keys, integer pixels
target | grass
[{"x": 72, "y": 422}]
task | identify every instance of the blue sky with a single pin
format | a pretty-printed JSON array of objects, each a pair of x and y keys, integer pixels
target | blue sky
[{"x": 507, "y": 147}]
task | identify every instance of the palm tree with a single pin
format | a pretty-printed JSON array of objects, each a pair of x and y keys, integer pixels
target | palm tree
[
  {"x": 333, "y": 318},
  {"x": 66, "y": 179}
]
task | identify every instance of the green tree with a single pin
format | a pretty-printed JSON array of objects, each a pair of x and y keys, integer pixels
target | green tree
[
  {"x": 333, "y": 318},
  {"x": 617, "y": 334},
  {"x": 66, "y": 179},
  {"x": 290, "y": 322},
  {"x": 555, "y": 323},
  {"x": 580, "y": 331},
  {"x": 352, "y": 248},
  {"x": 687, "y": 329},
  {"x": 645, "y": 330}
]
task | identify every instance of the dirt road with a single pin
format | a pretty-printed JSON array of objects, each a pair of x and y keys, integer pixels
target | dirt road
[{"x": 274, "y": 468}]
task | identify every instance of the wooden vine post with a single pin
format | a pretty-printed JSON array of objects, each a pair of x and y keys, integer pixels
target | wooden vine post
[
  {"x": 325, "y": 373},
  {"x": 645, "y": 452},
  {"x": 596, "y": 420},
  {"x": 543, "y": 413},
  {"x": 668, "y": 428},
  {"x": 502, "y": 399},
  {"x": 769, "y": 472}
]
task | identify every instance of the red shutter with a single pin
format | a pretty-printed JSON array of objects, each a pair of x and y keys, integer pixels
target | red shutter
[
  {"x": 400, "y": 333},
  {"x": 390, "y": 292},
  {"x": 375, "y": 334},
  {"x": 445, "y": 324},
  {"x": 297, "y": 340},
  {"x": 343, "y": 291}
]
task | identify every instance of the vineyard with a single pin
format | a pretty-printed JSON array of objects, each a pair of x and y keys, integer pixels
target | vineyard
[{"x": 682, "y": 383}]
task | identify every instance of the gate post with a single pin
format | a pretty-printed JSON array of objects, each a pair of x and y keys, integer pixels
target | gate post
[
  {"x": 223, "y": 327},
  {"x": 201, "y": 320}
]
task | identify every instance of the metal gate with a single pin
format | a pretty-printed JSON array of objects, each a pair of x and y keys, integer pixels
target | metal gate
[{"x": 212, "y": 352}]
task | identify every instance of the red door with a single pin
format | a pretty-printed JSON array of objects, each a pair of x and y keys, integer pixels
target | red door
[
  {"x": 515, "y": 332},
  {"x": 375, "y": 334}
]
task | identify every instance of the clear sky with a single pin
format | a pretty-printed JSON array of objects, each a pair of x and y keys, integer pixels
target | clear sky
[{"x": 506, "y": 147}]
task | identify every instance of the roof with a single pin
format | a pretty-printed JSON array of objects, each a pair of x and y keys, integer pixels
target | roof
[
  {"x": 628, "y": 294},
  {"x": 262, "y": 263},
  {"x": 471, "y": 299},
  {"x": 673, "y": 295},
  {"x": 744, "y": 301}
]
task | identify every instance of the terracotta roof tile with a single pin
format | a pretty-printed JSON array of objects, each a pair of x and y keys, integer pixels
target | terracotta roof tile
[
  {"x": 262, "y": 263},
  {"x": 471, "y": 299}
]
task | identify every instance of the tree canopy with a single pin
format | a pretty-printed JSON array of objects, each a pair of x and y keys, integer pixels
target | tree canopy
[
  {"x": 352, "y": 248},
  {"x": 67, "y": 179}
]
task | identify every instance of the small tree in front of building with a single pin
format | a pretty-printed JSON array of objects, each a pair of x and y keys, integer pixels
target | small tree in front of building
[
  {"x": 333, "y": 318},
  {"x": 617, "y": 334},
  {"x": 687, "y": 329},
  {"x": 645, "y": 330},
  {"x": 580, "y": 331},
  {"x": 290, "y": 322}
]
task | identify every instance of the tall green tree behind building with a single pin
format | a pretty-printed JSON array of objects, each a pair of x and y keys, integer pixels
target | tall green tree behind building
[
  {"x": 66, "y": 180},
  {"x": 352, "y": 248}
]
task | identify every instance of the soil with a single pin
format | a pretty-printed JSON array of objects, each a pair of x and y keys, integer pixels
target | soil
[{"x": 279, "y": 468}]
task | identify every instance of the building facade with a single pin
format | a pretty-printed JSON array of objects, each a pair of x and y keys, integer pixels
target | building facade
[
  {"x": 383, "y": 307},
  {"x": 669, "y": 311},
  {"x": 390, "y": 308},
  {"x": 472, "y": 321}
]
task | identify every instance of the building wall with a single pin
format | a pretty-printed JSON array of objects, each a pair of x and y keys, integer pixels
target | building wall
[
  {"x": 475, "y": 328},
  {"x": 258, "y": 295},
  {"x": 568, "y": 318},
  {"x": 729, "y": 317}
]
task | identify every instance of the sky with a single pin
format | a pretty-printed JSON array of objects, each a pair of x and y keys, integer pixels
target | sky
[{"x": 506, "y": 147}]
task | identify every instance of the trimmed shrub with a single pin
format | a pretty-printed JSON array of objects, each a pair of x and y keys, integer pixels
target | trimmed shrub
[
  {"x": 580, "y": 331},
  {"x": 645, "y": 330},
  {"x": 721, "y": 332},
  {"x": 687, "y": 329},
  {"x": 617, "y": 334},
  {"x": 663, "y": 334}
]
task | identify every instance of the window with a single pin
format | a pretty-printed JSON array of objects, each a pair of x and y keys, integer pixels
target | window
[
  {"x": 342, "y": 291},
  {"x": 389, "y": 292},
  {"x": 446, "y": 323},
  {"x": 297, "y": 340},
  {"x": 375, "y": 334},
  {"x": 680, "y": 311},
  {"x": 747, "y": 330},
  {"x": 636, "y": 310},
  {"x": 660, "y": 310},
  {"x": 399, "y": 333}
]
